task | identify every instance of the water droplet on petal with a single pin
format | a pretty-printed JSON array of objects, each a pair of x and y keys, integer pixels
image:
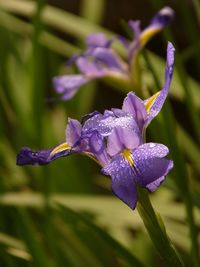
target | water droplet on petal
[{"x": 152, "y": 145}]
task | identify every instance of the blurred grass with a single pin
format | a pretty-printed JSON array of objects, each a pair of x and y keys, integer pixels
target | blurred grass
[{"x": 41, "y": 224}]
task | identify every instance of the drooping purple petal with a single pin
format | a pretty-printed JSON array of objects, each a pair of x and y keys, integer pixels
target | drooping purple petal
[
  {"x": 123, "y": 184},
  {"x": 73, "y": 131},
  {"x": 123, "y": 138},
  {"x": 26, "y": 156},
  {"x": 135, "y": 106},
  {"x": 155, "y": 103},
  {"x": 89, "y": 68},
  {"x": 150, "y": 164},
  {"x": 109, "y": 58},
  {"x": 155, "y": 184},
  {"x": 97, "y": 40},
  {"x": 68, "y": 85}
]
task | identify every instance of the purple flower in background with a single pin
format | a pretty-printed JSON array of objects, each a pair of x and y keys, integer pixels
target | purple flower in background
[
  {"x": 101, "y": 61},
  {"x": 135, "y": 111},
  {"x": 115, "y": 139}
]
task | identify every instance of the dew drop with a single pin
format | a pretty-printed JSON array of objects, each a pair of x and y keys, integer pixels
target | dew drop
[{"x": 152, "y": 145}]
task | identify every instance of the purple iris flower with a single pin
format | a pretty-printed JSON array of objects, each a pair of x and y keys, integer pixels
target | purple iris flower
[
  {"x": 115, "y": 139},
  {"x": 135, "y": 163},
  {"x": 101, "y": 61}
]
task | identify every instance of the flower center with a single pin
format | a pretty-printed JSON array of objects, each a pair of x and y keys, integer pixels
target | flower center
[
  {"x": 150, "y": 102},
  {"x": 60, "y": 148},
  {"x": 128, "y": 156}
]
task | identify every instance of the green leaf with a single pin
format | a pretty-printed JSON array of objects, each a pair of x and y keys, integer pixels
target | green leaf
[
  {"x": 28, "y": 233},
  {"x": 119, "y": 249}
]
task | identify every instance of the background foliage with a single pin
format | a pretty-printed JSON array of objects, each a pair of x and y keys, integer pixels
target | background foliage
[{"x": 64, "y": 214}]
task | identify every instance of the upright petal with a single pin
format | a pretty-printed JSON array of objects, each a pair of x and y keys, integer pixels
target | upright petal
[
  {"x": 123, "y": 138},
  {"x": 154, "y": 103},
  {"x": 105, "y": 124},
  {"x": 68, "y": 85},
  {"x": 150, "y": 164},
  {"x": 135, "y": 27},
  {"x": 135, "y": 106},
  {"x": 73, "y": 131},
  {"x": 135, "y": 44},
  {"x": 123, "y": 184}
]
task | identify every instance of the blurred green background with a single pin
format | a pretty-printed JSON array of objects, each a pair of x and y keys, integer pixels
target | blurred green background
[{"x": 64, "y": 214}]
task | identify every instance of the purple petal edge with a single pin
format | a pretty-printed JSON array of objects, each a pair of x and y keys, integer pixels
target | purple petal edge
[{"x": 26, "y": 156}]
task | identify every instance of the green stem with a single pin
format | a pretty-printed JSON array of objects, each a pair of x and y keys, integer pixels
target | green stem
[{"x": 157, "y": 232}]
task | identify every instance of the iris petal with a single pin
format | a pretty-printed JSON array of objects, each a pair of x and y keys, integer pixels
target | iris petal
[
  {"x": 68, "y": 85},
  {"x": 89, "y": 68},
  {"x": 97, "y": 40},
  {"x": 26, "y": 156},
  {"x": 109, "y": 58},
  {"x": 122, "y": 138},
  {"x": 106, "y": 123},
  {"x": 159, "y": 21},
  {"x": 98, "y": 148},
  {"x": 150, "y": 164},
  {"x": 155, "y": 103},
  {"x": 135, "y": 106},
  {"x": 123, "y": 184},
  {"x": 73, "y": 131}
]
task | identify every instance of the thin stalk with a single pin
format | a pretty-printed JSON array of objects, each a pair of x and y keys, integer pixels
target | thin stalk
[{"x": 157, "y": 232}]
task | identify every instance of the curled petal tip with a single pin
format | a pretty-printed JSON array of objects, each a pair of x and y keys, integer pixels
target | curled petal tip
[
  {"x": 164, "y": 17},
  {"x": 167, "y": 11},
  {"x": 28, "y": 157}
]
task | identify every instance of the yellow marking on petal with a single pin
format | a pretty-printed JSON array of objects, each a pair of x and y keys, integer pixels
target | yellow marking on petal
[
  {"x": 128, "y": 156},
  {"x": 147, "y": 34},
  {"x": 150, "y": 102},
  {"x": 60, "y": 148}
]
